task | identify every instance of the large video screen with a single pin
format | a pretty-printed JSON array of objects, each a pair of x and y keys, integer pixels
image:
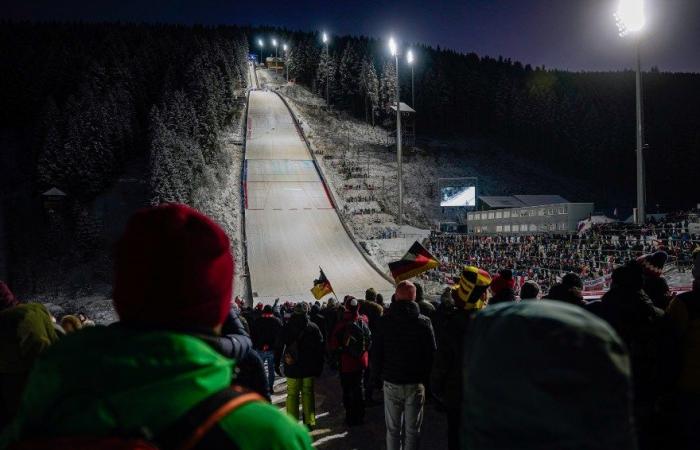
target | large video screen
[{"x": 458, "y": 196}]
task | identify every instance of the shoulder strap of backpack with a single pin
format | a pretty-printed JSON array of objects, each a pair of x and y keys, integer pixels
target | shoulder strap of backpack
[{"x": 198, "y": 424}]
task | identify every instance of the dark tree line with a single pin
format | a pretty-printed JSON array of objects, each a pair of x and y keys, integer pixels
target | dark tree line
[
  {"x": 93, "y": 96},
  {"x": 579, "y": 124},
  {"x": 81, "y": 100}
]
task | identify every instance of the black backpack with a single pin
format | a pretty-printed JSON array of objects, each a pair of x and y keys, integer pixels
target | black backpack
[{"x": 357, "y": 339}]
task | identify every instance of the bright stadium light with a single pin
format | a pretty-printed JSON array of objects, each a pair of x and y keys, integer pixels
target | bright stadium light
[
  {"x": 630, "y": 16},
  {"x": 261, "y": 43},
  {"x": 274, "y": 42},
  {"x": 410, "y": 59},
  {"x": 324, "y": 37},
  {"x": 284, "y": 47},
  {"x": 392, "y": 46}
]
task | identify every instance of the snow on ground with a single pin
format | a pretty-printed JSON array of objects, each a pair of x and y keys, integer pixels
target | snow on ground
[
  {"x": 359, "y": 161},
  {"x": 218, "y": 196}
]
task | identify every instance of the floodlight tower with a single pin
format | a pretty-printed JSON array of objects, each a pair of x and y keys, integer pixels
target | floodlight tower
[
  {"x": 395, "y": 53},
  {"x": 630, "y": 20},
  {"x": 324, "y": 38},
  {"x": 261, "y": 44},
  {"x": 286, "y": 60},
  {"x": 410, "y": 59},
  {"x": 274, "y": 44}
]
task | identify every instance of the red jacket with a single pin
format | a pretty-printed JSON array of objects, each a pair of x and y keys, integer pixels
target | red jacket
[{"x": 347, "y": 362}]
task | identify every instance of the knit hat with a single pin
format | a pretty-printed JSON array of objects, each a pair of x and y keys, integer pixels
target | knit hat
[
  {"x": 7, "y": 298},
  {"x": 472, "y": 285},
  {"x": 350, "y": 301},
  {"x": 301, "y": 308},
  {"x": 173, "y": 267},
  {"x": 267, "y": 309},
  {"x": 370, "y": 295},
  {"x": 653, "y": 263},
  {"x": 405, "y": 291},
  {"x": 502, "y": 280}
]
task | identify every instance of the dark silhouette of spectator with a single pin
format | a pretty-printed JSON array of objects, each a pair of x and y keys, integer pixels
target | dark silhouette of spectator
[
  {"x": 265, "y": 333},
  {"x": 403, "y": 356},
  {"x": 300, "y": 349},
  {"x": 470, "y": 294},
  {"x": 542, "y": 375},
  {"x": 352, "y": 340},
  {"x": 530, "y": 291}
]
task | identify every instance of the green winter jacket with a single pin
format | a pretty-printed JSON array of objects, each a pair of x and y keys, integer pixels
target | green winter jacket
[{"x": 113, "y": 381}]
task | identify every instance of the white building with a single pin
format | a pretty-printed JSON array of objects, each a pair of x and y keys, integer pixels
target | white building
[{"x": 527, "y": 214}]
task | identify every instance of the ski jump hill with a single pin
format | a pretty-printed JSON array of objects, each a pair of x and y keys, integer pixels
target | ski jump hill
[{"x": 291, "y": 225}]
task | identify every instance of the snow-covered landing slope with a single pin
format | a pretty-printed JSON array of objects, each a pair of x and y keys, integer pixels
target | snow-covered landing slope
[{"x": 291, "y": 225}]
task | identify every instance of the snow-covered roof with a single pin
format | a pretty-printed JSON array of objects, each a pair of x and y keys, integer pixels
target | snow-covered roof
[
  {"x": 501, "y": 201},
  {"x": 537, "y": 200},
  {"x": 404, "y": 108},
  {"x": 54, "y": 192}
]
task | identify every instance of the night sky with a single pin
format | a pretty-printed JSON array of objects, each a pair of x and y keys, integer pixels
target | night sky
[{"x": 566, "y": 34}]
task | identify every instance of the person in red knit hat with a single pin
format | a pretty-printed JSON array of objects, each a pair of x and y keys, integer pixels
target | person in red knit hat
[{"x": 150, "y": 377}]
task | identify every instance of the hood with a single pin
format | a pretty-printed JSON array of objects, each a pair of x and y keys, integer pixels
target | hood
[
  {"x": 537, "y": 373},
  {"x": 106, "y": 378},
  {"x": 405, "y": 307}
]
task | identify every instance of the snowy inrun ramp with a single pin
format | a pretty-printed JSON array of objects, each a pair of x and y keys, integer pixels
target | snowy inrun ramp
[{"x": 291, "y": 225}]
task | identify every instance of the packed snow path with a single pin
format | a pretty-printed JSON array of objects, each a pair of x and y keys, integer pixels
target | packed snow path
[{"x": 291, "y": 225}]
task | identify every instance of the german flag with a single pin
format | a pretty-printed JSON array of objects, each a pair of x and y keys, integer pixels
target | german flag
[
  {"x": 416, "y": 261},
  {"x": 321, "y": 286}
]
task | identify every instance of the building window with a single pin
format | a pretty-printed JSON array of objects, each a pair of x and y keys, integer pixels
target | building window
[
  {"x": 499, "y": 215},
  {"x": 533, "y": 227},
  {"x": 506, "y": 228},
  {"x": 516, "y": 228},
  {"x": 490, "y": 215},
  {"x": 506, "y": 214},
  {"x": 499, "y": 229},
  {"x": 540, "y": 212}
]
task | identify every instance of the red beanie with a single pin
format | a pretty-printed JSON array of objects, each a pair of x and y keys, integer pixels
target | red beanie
[
  {"x": 502, "y": 280},
  {"x": 7, "y": 298},
  {"x": 173, "y": 267}
]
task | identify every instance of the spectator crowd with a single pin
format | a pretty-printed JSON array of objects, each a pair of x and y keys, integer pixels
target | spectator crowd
[
  {"x": 545, "y": 258},
  {"x": 187, "y": 366}
]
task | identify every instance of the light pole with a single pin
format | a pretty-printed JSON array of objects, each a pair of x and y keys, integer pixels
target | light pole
[
  {"x": 274, "y": 44},
  {"x": 410, "y": 59},
  {"x": 324, "y": 37},
  {"x": 261, "y": 44},
  {"x": 630, "y": 20},
  {"x": 286, "y": 60},
  {"x": 395, "y": 53}
]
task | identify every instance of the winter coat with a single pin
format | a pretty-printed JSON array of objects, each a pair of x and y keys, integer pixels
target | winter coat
[
  {"x": 373, "y": 311},
  {"x": 426, "y": 308},
  {"x": 108, "y": 381},
  {"x": 234, "y": 343},
  {"x": 320, "y": 321},
  {"x": 332, "y": 316},
  {"x": 403, "y": 346},
  {"x": 265, "y": 332},
  {"x": 348, "y": 363},
  {"x": 684, "y": 313},
  {"x": 638, "y": 322},
  {"x": 310, "y": 346},
  {"x": 544, "y": 375},
  {"x": 446, "y": 376}
]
